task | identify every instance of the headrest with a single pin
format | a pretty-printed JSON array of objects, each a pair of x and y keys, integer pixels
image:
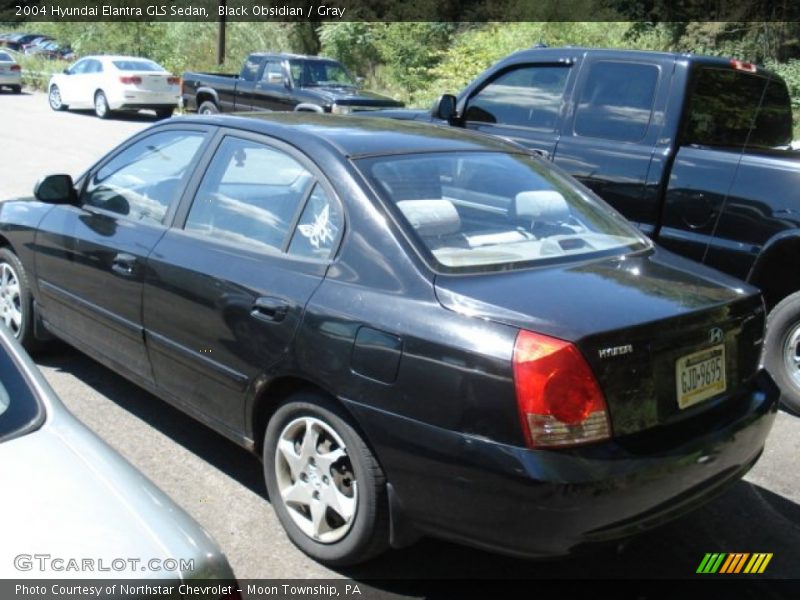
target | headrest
[
  {"x": 431, "y": 218},
  {"x": 541, "y": 205}
]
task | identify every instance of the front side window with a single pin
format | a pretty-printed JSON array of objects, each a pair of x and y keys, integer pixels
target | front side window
[
  {"x": 144, "y": 179},
  {"x": 491, "y": 210},
  {"x": 530, "y": 96},
  {"x": 250, "y": 196},
  {"x": 616, "y": 102},
  {"x": 79, "y": 67}
]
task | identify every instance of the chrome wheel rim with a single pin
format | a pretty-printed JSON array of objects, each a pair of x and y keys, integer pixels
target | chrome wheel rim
[
  {"x": 10, "y": 299},
  {"x": 791, "y": 355},
  {"x": 55, "y": 97},
  {"x": 315, "y": 479},
  {"x": 100, "y": 105}
]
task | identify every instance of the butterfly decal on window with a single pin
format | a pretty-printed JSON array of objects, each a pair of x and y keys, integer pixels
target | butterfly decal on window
[{"x": 320, "y": 231}]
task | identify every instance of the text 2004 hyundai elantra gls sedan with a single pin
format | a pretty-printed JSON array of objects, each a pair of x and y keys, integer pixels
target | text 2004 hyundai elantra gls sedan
[{"x": 422, "y": 331}]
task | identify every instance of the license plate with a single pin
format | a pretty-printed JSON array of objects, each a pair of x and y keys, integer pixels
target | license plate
[{"x": 700, "y": 375}]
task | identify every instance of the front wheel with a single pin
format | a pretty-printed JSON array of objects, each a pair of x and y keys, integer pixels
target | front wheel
[
  {"x": 782, "y": 349},
  {"x": 54, "y": 98},
  {"x": 324, "y": 483},
  {"x": 16, "y": 301},
  {"x": 101, "y": 108},
  {"x": 208, "y": 108}
]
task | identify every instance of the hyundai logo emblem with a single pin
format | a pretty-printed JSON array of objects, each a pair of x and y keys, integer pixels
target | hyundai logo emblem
[{"x": 715, "y": 335}]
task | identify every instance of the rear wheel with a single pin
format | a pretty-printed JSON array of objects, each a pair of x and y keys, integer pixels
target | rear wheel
[
  {"x": 101, "y": 108},
  {"x": 16, "y": 301},
  {"x": 782, "y": 349},
  {"x": 324, "y": 483},
  {"x": 16, "y": 89},
  {"x": 164, "y": 113},
  {"x": 208, "y": 108},
  {"x": 54, "y": 98}
]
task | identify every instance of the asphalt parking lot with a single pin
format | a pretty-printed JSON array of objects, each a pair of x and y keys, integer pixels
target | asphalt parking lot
[{"x": 222, "y": 487}]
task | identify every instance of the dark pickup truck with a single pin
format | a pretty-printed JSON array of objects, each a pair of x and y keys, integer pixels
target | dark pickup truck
[
  {"x": 281, "y": 82},
  {"x": 695, "y": 150}
]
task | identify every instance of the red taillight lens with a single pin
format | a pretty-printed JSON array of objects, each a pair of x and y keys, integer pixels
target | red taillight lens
[
  {"x": 560, "y": 402},
  {"x": 174, "y": 80},
  {"x": 128, "y": 80},
  {"x": 16, "y": 68}
]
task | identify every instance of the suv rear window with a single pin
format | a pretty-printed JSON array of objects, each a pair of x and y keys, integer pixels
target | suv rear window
[
  {"x": 492, "y": 210},
  {"x": 725, "y": 109}
]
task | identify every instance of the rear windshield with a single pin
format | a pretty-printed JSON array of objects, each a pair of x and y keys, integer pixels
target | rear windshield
[
  {"x": 137, "y": 65},
  {"x": 491, "y": 210},
  {"x": 20, "y": 410},
  {"x": 731, "y": 109},
  {"x": 5, "y": 57}
]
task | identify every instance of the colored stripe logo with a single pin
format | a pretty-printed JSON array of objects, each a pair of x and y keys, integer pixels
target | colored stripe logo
[{"x": 734, "y": 563}]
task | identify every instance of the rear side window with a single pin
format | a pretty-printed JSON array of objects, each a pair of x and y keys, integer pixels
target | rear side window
[
  {"x": 253, "y": 195},
  {"x": 616, "y": 102},
  {"x": 725, "y": 110},
  {"x": 530, "y": 96}
]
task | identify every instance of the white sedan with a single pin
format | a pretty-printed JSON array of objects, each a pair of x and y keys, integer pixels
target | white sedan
[
  {"x": 10, "y": 72},
  {"x": 115, "y": 83}
]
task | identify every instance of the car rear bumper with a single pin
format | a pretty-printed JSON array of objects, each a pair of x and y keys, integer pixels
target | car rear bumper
[
  {"x": 541, "y": 503},
  {"x": 137, "y": 99},
  {"x": 10, "y": 79}
]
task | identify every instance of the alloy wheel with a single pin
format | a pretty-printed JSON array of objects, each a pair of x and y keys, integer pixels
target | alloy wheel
[
  {"x": 10, "y": 299},
  {"x": 316, "y": 480}
]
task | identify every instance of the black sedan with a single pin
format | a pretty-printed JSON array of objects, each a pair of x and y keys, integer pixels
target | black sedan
[{"x": 422, "y": 331}]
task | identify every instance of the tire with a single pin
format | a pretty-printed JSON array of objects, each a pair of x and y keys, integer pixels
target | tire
[
  {"x": 54, "y": 99},
  {"x": 351, "y": 491},
  {"x": 101, "y": 108},
  {"x": 208, "y": 108},
  {"x": 16, "y": 89},
  {"x": 164, "y": 113},
  {"x": 782, "y": 349},
  {"x": 16, "y": 301}
]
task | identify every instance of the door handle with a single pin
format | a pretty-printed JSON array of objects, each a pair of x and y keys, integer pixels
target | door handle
[
  {"x": 124, "y": 264},
  {"x": 270, "y": 309}
]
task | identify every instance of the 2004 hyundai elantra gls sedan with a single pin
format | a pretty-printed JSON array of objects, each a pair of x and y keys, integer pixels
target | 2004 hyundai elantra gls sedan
[
  {"x": 422, "y": 331},
  {"x": 74, "y": 508}
]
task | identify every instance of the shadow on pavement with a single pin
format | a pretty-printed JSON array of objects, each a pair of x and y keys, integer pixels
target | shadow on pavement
[{"x": 747, "y": 518}]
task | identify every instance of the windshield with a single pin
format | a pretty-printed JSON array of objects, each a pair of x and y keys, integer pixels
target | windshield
[
  {"x": 137, "y": 65},
  {"x": 19, "y": 409},
  {"x": 488, "y": 210},
  {"x": 309, "y": 73}
]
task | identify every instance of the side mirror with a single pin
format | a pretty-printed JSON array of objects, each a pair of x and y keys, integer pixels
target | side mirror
[
  {"x": 444, "y": 108},
  {"x": 56, "y": 189},
  {"x": 66, "y": 72}
]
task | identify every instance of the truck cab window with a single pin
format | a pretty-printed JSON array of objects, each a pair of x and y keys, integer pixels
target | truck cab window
[
  {"x": 617, "y": 101},
  {"x": 529, "y": 96},
  {"x": 251, "y": 67}
]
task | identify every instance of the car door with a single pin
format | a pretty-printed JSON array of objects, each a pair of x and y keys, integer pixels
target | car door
[
  {"x": 69, "y": 84},
  {"x": 246, "y": 84},
  {"x": 523, "y": 103},
  {"x": 271, "y": 91},
  {"x": 91, "y": 257},
  {"x": 226, "y": 287},
  {"x": 612, "y": 129}
]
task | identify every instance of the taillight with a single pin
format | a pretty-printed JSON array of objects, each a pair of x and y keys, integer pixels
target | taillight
[
  {"x": 131, "y": 79},
  {"x": 741, "y": 65},
  {"x": 16, "y": 68},
  {"x": 174, "y": 80},
  {"x": 560, "y": 402}
]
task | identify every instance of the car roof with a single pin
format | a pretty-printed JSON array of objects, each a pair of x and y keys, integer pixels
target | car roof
[
  {"x": 355, "y": 136},
  {"x": 112, "y": 57}
]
